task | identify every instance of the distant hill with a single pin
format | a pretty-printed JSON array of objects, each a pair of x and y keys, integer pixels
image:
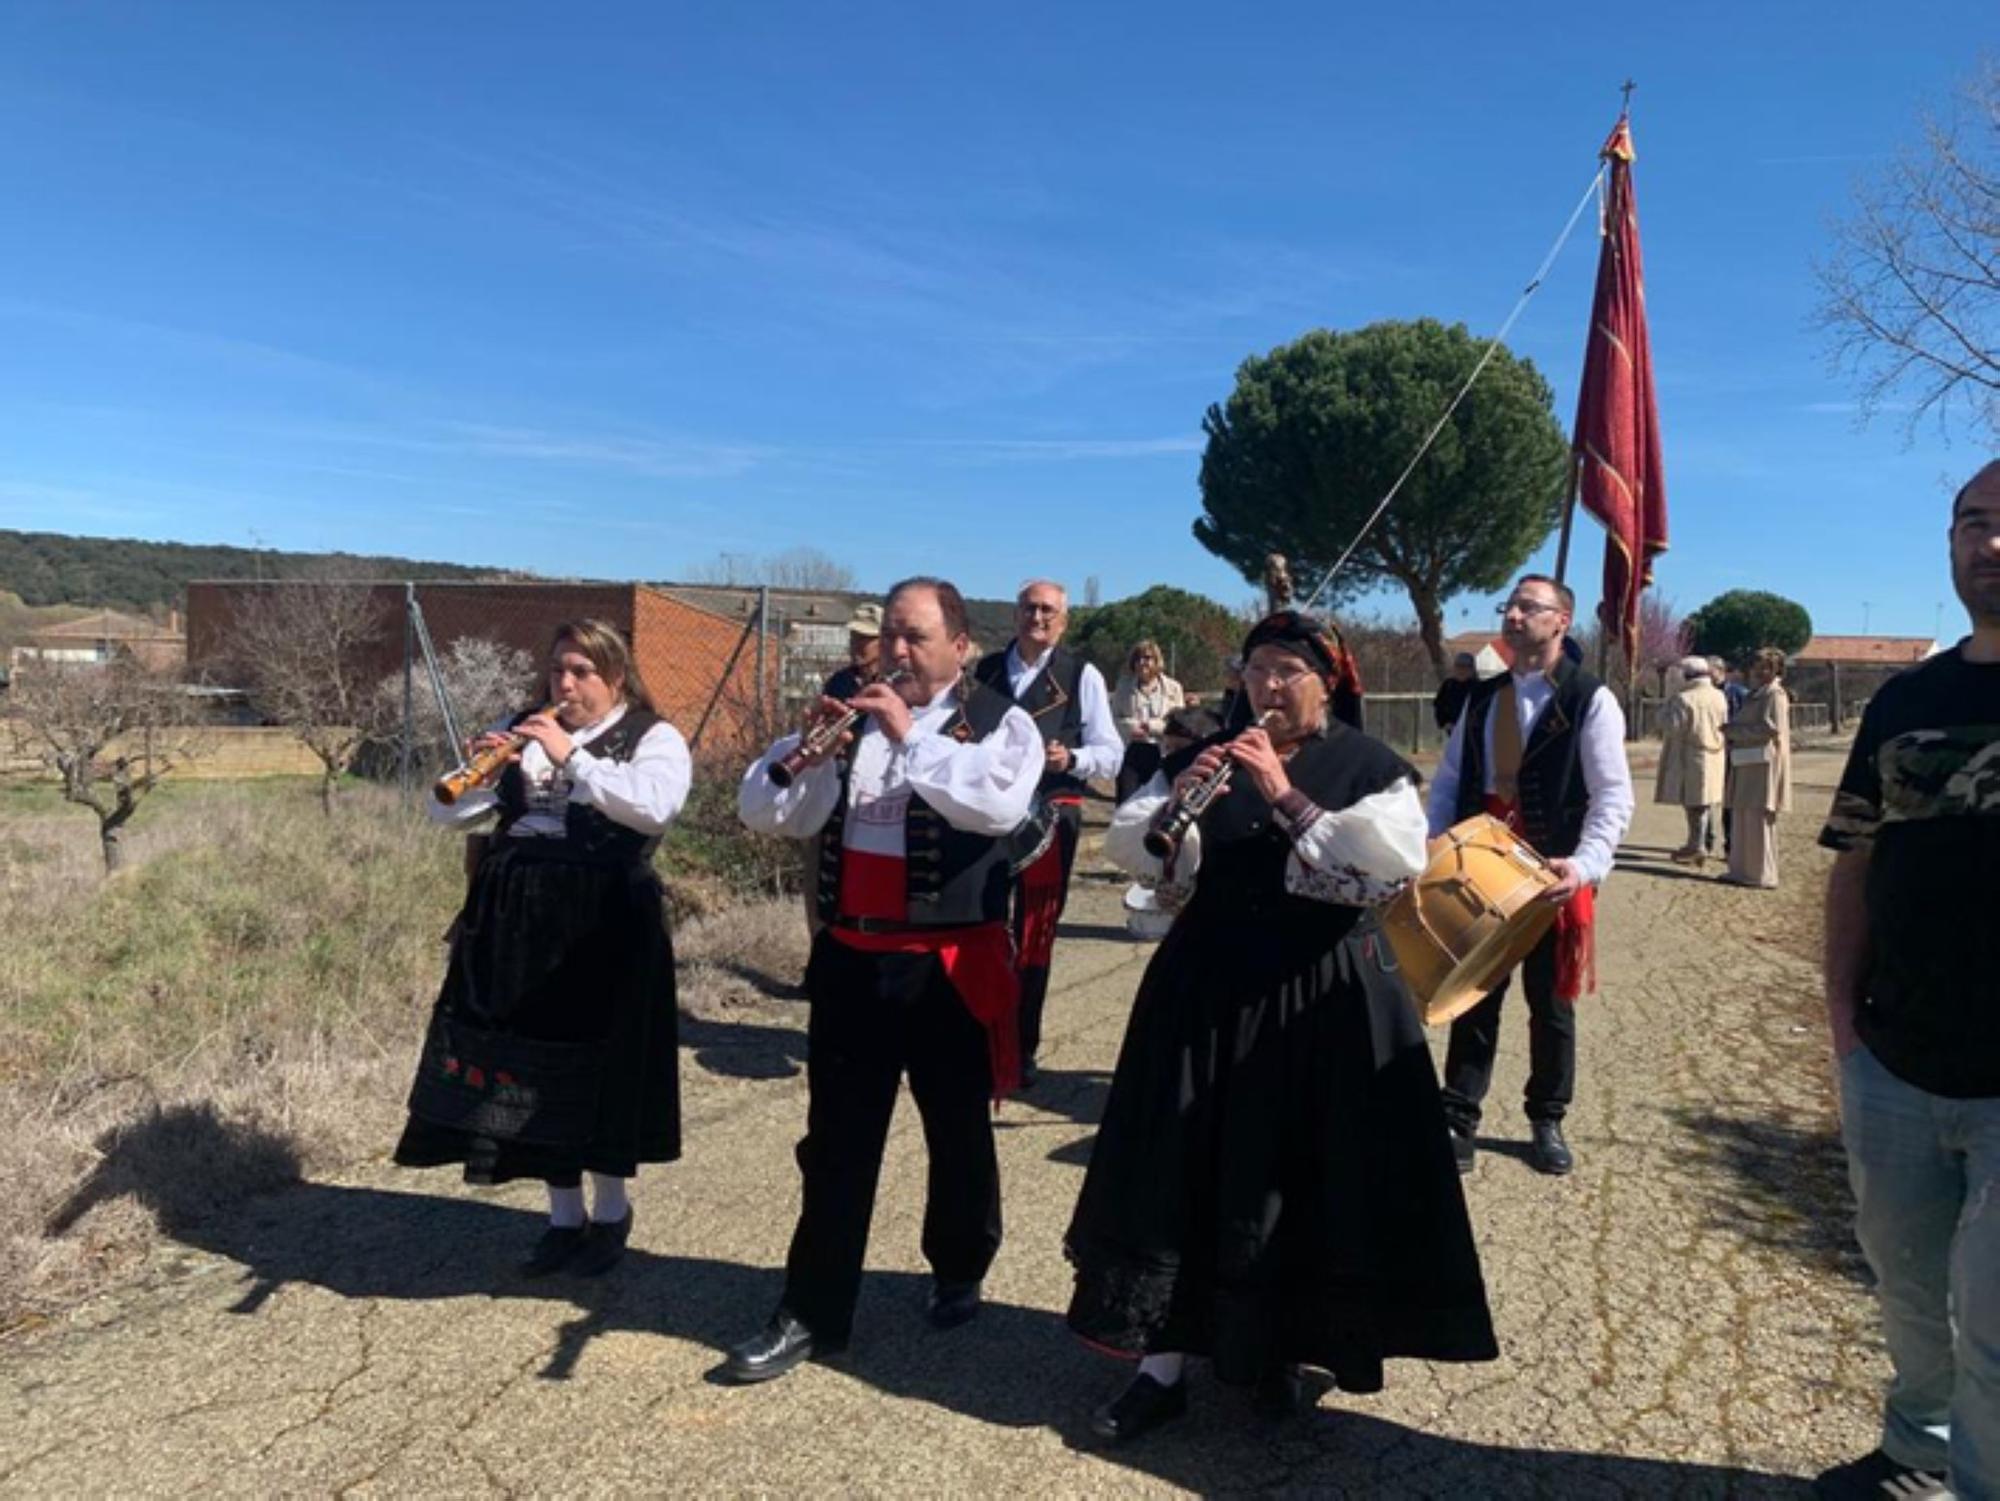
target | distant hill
[{"x": 48, "y": 568}]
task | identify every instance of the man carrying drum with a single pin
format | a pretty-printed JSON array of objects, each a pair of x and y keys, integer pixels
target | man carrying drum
[{"x": 1542, "y": 748}]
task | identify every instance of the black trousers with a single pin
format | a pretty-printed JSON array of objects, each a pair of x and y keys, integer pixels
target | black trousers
[
  {"x": 874, "y": 1017},
  {"x": 1475, "y": 1037},
  {"x": 1035, "y": 978}
]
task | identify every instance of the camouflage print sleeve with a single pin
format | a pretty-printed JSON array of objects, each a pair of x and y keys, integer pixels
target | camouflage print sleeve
[{"x": 1857, "y": 805}]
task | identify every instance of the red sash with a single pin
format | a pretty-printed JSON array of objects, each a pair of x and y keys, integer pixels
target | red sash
[
  {"x": 979, "y": 962},
  {"x": 1042, "y": 900},
  {"x": 1576, "y": 923}
]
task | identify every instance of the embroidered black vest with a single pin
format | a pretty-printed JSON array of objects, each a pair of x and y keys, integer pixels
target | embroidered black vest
[
  {"x": 952, "y": 879},
  {"x": 1053, "y": 701},
  {"x": 587, "y": 833},
  {"x": 1554, "y": 800}
]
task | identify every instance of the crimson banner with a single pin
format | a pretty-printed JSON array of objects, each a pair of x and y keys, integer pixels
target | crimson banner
[{"x": 1619, "y": 476}]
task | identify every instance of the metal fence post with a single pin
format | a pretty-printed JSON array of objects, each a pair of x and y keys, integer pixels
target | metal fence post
[
  {"x": 763, "y": 714},
  {"x": 409, "y": 697}
]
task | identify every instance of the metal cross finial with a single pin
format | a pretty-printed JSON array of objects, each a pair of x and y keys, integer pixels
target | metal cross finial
[{"x": 1626, "y": 89}]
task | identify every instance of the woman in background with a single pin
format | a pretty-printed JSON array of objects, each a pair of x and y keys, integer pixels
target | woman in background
[
  {"x": 1140, "y": 704},
  {"x": 1760, "y": 772}
]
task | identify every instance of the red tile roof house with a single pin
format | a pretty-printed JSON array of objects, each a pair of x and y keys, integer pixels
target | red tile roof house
[
  {"x": 103, "y": 636},
  {"x": 1843, "y": 672}
]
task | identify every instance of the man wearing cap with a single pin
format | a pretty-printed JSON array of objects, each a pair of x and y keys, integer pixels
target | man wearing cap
[
  {"x": 1691, "y": 758},
  {"x": 864, "y": 630},
  {"x": 1070, "y": 705}
]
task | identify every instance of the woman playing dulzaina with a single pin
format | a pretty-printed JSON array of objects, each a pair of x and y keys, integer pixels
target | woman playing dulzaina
[
  {"x": 1273, "y": 1185},
  {"x": 552, "y": 1049}
]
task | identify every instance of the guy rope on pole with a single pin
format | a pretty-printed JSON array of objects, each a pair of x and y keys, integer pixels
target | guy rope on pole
[{"x": 1492, "y": 345}]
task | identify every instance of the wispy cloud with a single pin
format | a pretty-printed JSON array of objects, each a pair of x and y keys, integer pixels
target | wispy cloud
[
  {"x": 212, "y": 349},
  {"x": 652, "y": 455},
  {"x": 1853, "y": 408},
  {"x": 1063, "y": 450},
  {"x": 655, "y": 457},
  {"x": 1823, "y": 158}
]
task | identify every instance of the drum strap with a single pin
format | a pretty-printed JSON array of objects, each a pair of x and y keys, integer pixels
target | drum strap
[{"x": 1506, "y": 718}]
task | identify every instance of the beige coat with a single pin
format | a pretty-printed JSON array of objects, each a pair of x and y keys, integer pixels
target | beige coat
[
  {"x": 1141, "y": 713},
  {"x": 1692, "y": 763},
  {"x": 1764, "y": 719}
]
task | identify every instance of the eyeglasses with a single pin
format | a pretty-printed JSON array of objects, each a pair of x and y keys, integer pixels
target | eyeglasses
[
  {"x": 1029, "y": 608},
  {"x": 1526, "y": 607},
  {"x": 1277, "y": 677}
]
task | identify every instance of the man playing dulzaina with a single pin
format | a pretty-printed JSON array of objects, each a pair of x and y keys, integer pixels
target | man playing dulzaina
[{"x": 911, "y": 972}]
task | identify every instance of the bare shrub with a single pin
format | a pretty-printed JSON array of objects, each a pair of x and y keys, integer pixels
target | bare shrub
[
  {"x": 303, "y": 648},
  {"x": 485, "y": 680},
  {"x": 260, "y": 979},
  {"x": 109, "y": 731}
]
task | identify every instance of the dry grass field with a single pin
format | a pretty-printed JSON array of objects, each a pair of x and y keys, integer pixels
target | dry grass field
[{"x": 271, "y": 967}]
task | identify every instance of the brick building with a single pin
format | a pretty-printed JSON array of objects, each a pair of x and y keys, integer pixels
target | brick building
[{"x": 701, "y": 665}]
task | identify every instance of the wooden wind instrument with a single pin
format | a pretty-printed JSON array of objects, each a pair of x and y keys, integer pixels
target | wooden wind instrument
[{"x": 484, "y": 768}]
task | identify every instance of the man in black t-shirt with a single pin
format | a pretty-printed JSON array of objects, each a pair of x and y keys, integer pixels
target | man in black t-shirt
[{"x": 1913, "y": 999}]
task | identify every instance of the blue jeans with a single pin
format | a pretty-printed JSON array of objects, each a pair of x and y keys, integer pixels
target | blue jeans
[{"x": 1926, "y": 1176}]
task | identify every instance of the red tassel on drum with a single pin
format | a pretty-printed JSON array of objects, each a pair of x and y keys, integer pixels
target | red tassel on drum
[{"x": 1576, "y": 947}]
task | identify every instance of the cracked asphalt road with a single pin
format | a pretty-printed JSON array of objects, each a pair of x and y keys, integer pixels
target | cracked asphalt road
[{"x": 1685, "y": 1316}]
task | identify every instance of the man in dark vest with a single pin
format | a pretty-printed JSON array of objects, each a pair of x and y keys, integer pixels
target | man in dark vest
[
  {"x": 1066, "y": 697},
  {"x": 911, "y": 972},
  {"x": 1541, "y": 747}
]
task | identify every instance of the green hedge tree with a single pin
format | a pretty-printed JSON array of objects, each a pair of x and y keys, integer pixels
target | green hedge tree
[
  {"x": 1317, "y": 431},
  {"x": 1734, "y": 625},
  {"x": 1194, "y": 632}
]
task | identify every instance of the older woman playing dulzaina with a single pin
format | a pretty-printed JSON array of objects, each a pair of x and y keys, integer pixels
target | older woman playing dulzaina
[{"x": 1272, "y": 1187}]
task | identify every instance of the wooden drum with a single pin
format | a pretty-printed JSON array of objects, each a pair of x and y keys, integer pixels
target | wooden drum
[{"x": 1474, "y": 914}]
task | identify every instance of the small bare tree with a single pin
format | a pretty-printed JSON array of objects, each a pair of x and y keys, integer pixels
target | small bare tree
[
  {"x": 110, "y": 731},
  {"x": 306, "y": 651},
  {"x": 1910, "y": 293},
  {"x": 794, "y": 568}
]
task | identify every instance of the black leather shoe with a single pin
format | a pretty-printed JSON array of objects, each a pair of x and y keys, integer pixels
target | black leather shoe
[
  {"x": 554, "y": 1251},
  {"x": 775, "y": 1349},
  {"x": 603, "y": 1247},
  {"x": 953, "y": 1304},
  {"x": 1139, "y": 1409},
  {"x": 1464, "y": 1151},
  {"x": 1549, "y": 1153},
  {"x": 1280, "y": 1394}
]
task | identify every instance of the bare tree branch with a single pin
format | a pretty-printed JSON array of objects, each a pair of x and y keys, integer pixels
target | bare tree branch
[
  {"x": 111, "y": 732},
  {"x": 304, "y": 650},
  {"x": 1911, "y": 288}
]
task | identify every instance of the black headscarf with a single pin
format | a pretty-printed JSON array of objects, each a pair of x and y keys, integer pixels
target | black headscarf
[{"x": 1318, "y": 641}]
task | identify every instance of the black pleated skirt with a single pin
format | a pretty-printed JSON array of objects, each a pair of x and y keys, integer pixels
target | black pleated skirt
[
  {"x": 553, "y": 1047},
  {"x": 1272, "y": 1182}
]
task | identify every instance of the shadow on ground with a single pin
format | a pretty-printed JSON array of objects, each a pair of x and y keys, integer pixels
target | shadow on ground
[
  {"x": 744, "y": 1049},
  {"x": 1061, "y": 1100},
  {"x": 1777, "y": 1185},
  {"x": 1012, "y": 1368}
]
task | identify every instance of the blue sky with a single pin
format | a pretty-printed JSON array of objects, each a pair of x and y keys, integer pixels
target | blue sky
[{"x": 608, "y": 290}]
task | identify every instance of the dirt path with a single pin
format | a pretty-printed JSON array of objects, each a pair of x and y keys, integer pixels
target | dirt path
[{"x": 1683, "y": 1316}]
